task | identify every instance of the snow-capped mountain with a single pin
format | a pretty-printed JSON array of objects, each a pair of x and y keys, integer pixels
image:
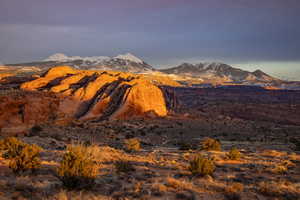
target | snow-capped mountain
[
  {"x": 59, "y": 57},
  {"x": 126, "y": 63},
  {"x": 129, "y": 57},
  {"x": 218, "y": 72}
]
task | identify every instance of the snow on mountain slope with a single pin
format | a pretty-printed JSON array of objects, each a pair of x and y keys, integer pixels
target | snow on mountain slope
[
  {"x": 130, "y": 57},
  {"x": 218, "y": 72},
  {"x": 59, "y": 57},
  {"x": 126, "y": 63}
]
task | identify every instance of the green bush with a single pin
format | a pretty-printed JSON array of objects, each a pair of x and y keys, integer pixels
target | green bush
[
  {"x": 201, "y": 166},
  {"x": 132, "y": 145},
  {"x": 234, "y": 154},
  {"x": 78, "y": 170},
  {"x": 22, "y": 156},
  {"x": 123, "y": 166},
  {"x": 210, "y": 144}
]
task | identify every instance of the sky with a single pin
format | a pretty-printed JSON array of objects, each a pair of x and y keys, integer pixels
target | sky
[{"x": 250, "y": 34}]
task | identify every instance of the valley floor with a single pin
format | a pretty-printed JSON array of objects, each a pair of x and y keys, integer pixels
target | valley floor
[{"x": 269, "y": 167}]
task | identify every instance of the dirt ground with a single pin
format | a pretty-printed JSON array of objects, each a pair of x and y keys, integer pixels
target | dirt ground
[{"x": 161, "y": 168}]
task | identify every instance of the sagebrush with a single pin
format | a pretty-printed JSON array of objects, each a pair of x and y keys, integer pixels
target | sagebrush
[
  {"x": 234, "y": 154},
  {"x": 78, "y": 168},
  {"x": 201, "y": 166},
  {"x": 22, "y": 156},
  {"x": 132, "y": 145},
  {"x": 210, "y": 144}
]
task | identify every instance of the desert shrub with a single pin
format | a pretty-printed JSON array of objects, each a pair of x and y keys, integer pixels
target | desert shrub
[
  {"x": 234, "y": 154},
  {"x": 132, "y": 145},
  {"x": 22, "y": 156},
  {"x": 210, "y": 144},
  {"x": 11, "y": 147},
  {"x": 232, "y": 192},
  {"x": 201, "y": 166},
  {"x": 280, "y": 169},
  {"x": 27, "y": 159},
  {"x": 78, "y": 169},
  {"x": 123, "y": 166}
]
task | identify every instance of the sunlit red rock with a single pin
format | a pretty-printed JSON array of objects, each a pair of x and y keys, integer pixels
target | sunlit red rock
[
  {"x": 101, "y": 94},
  {"x": 19, "y": 110}
]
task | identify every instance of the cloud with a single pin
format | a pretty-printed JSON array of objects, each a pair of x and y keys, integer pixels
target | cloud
[{"x": 162, "y": 32}]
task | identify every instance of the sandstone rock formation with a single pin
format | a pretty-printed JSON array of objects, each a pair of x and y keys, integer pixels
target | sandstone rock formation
[
  {"x": 20, "y": 110},
  {"x": 98, "y": 95},
  {"x": 4, "y": 75}
]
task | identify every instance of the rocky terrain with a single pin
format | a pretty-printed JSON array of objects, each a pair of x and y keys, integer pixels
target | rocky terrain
[
  {"x": 268, "y": 168},
  {"x": 64, "y": 94},
  {"x": 192, "y": 75},
  {"x": 65, "y": 106},
  {"x": 247, "y": 102}
]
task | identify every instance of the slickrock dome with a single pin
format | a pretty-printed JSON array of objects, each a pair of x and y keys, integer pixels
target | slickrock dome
[{"x": 101, "y": 94}]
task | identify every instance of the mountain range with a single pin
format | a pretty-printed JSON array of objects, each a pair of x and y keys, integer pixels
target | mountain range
[
  {"x": 218, "y": 72},
  {"x": 124, "y": 63},
  {"x": 186, "y": 73}
]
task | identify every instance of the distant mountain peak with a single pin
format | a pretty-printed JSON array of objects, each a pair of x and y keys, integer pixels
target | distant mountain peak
[
  {"x": 218, "y": 71},
  {"x": 60, "y": 57},
  {"x": 130, "y": 57},
  {"x": 56, "y": 56}
]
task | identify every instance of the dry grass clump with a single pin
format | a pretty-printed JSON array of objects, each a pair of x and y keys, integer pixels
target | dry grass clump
[
  {"x": 201, "y": 166},
  {"x": 283, "y": 167},
  {"x": 273, "y": 153},
  {"x": 210, "y": 144},
  {"x": 106, "y": 153},
  {"x": 232, "y": 192},
  {"x": 280, "y": 169},
  {"x": 78, "y": 169},
  {"x": 234, "y": 154},
  {"x": 132, "y": 145},
  {"x": 178, "y": 185},
  {"x": 285, "y": 189},
  {"x": 11, "y": 147},
  {"x": 22, "y": 156},
  {"x": 123, "y": 166}
]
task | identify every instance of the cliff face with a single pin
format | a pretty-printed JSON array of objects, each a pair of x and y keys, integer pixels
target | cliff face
[
  {"x": 97, "y": 95},
  {"x": 20, "y": 110}
]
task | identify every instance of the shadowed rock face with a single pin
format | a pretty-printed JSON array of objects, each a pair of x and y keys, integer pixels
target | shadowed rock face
[
  {"x": 98, "y": 95},
  {"x": 20, "y": 110}
]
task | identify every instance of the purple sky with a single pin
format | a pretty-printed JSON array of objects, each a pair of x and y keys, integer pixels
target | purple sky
[{"x": 162, "y": 32}]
